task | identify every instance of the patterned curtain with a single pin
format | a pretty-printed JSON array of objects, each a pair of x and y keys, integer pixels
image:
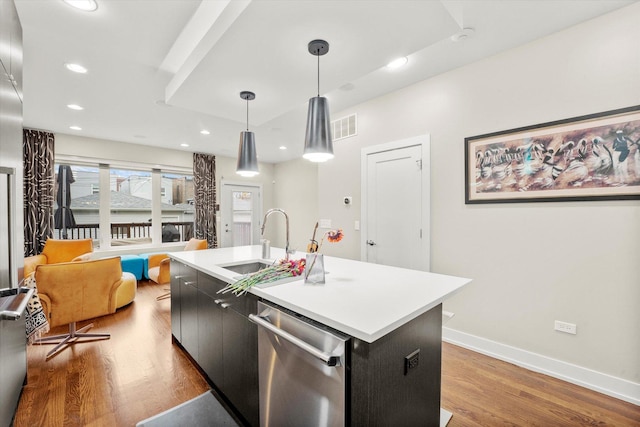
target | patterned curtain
[
  {"x": 204, "y": 177},
  {"x": 39, "y": 188}
]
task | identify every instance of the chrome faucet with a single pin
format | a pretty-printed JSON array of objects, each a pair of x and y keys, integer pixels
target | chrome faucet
[{"x": 286, "y": 217}]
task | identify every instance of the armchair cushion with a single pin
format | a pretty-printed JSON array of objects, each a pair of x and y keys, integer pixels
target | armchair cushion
[
  {"x": 195, "y": 245},
  {"x": 66, "y": 250},
  {"x": 57, "y": 251},
  {"x": 75, "y": 291},
  {"x": 159, "y": 268}
]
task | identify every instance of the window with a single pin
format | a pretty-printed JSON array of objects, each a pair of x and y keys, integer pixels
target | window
[
  {"x": 131, "y": 208},
  {"x": 77, "y": 203},
  {"x": 178, "y": 211}
]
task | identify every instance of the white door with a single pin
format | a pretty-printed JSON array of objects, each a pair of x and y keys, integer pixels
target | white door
[
  {"x": 396, "y": 204},
  {"x": 240, "y": 208}
]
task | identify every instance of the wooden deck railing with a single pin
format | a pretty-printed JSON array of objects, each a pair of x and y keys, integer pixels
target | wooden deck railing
[{"x": 183, "y": 231}]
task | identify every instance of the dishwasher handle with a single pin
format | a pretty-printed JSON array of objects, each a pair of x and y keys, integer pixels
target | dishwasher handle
[{"x": 327, "y": 358}]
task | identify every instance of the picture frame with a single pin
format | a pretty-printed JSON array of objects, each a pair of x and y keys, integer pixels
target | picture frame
[{"x": 592, "y": 157}]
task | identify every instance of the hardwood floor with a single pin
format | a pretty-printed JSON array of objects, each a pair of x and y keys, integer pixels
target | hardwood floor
[
  {"x": 483, "y": 391},
  {"x": 135, "y": 374},
  {"x": 139, "y": 373}
]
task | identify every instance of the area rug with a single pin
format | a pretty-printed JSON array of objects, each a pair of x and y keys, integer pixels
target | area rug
[{"x": 201, "y": 411}]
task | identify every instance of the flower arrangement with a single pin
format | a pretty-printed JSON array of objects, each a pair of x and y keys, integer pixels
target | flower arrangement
[{"x": 284, "y": 268}]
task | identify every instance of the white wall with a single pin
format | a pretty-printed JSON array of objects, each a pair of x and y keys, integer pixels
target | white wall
[
  {"x": 299, "y": 199},
  {"x": 530, "y": 263},
  {"x": 102, "y": 149}
]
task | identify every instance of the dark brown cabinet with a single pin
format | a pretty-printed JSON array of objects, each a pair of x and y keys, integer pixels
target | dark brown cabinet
[{"x": 216, "y": 332}]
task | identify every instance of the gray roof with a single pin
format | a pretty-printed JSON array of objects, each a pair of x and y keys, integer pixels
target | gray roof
[{"x": 124, "y": 201}]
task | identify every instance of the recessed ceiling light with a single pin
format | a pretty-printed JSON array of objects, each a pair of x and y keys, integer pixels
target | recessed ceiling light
[
  {"x": 76, "y": 68},
  {"x": 75, "y": 127},
  {"x": 397, "y": 63},
  {"x": 184, "y": 145},
  {"x": 462, "y": 35},
  {"x": 75, "y": 107},
  {"x": 86, "y": 5},
  {"x": 282, "y": 147},
  {"x": 205, "y": 132}
]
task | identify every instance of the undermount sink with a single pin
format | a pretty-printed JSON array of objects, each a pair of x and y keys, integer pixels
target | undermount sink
[
  {"x": 246, "y": 267},
  {"x": 249, "y": 267}
]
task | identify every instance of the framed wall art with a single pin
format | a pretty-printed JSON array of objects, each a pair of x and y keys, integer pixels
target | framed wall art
[{"x": 594, "y": 157}]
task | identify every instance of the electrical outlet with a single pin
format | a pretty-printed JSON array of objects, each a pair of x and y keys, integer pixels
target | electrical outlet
[
  {"x": 567, "y": 328},
  {"x": 325, "y": 223},
  {"x": 411, "y": 361}
]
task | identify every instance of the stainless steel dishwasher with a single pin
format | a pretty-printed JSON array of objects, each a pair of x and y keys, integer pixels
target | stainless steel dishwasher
[{"x": 302, "y": 369}]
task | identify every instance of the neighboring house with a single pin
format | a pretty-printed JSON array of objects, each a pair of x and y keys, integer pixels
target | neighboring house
[{"x": 127, "y": 208}]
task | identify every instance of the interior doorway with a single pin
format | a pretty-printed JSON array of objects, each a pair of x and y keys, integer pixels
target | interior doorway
[
  {"x": 240, "y": 213},
  {"x": 396, "y": 203}
]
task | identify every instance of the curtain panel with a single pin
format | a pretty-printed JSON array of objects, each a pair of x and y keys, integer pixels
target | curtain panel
[
  {"x": 204, "y": 177},
  {"x": 39, "y": 188}
]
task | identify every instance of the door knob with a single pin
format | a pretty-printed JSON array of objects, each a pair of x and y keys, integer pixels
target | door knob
[{"x": 371, "y": 243}]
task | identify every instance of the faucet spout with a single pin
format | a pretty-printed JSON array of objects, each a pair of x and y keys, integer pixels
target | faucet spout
[{"x": 286, "y": 218}]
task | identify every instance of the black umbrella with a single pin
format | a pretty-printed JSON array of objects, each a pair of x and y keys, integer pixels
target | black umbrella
[{"x": 63, "y": 217}]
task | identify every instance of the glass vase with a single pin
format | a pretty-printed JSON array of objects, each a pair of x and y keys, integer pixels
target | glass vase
[{"x": 314, "y": 269}]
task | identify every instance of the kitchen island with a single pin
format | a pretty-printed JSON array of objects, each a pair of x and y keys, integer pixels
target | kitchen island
[{"x": 393, "y": 316}]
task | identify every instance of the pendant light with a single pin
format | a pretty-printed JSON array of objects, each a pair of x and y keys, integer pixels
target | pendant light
[
  {"x": 318, "y": 146},
  {"x": 247, "y": 157}
]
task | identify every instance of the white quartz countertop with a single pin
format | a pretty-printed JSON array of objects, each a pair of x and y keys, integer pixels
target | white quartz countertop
[{"x": 361, "y": 299}]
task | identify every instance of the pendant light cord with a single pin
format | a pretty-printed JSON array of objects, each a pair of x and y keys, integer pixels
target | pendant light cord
[
  {"x": 247, "y": 114},
  {"x": 318, "y": 55}
]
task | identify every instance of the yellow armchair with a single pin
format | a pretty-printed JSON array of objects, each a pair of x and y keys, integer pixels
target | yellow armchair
[
  {"x": 57, "y": 251},
  {"x": 76, "y": 291},
  {"x": 159, "y": 263}
]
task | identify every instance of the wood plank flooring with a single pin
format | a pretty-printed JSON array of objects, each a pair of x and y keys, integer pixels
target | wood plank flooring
[
  {"x": 483, "y": 391},
  {"x": 135, "y": 374},
  {"x": 139, "y": 373}
]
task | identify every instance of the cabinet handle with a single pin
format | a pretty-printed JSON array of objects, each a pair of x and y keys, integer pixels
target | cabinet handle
[
  {"x": 190, "y": 283},
  {"x": 178, "y": 277},
  {"x": 221, "y": 303}
]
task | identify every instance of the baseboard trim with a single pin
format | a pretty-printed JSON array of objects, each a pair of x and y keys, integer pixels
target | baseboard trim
[{"x": 584, "y": 377}]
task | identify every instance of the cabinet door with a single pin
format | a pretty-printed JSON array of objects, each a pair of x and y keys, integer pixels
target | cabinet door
[
  {"x": 13, "y": 358},
  {"x": 189, "y": 317},
  {"x": 6, "y": 18},
  {"x": 11, "y": 45},
  {"x": 240, "y": 356},
  {"x": 176, "y": 274},
  {"x": 209, "y": 330},
  {"x": 15, "y": 67}
]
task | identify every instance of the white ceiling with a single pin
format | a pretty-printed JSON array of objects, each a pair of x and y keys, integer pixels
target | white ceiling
[{"x": 160, "y": 71}]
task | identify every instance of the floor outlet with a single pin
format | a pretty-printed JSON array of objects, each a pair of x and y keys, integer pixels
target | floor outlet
[{"x": 567, "y": 328}]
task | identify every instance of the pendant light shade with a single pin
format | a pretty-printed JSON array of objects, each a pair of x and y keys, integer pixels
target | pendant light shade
[
  {"x": 317, "y": 142},
  {"x": 247, "y": 155},
  {"x": 318, "y": 145}
]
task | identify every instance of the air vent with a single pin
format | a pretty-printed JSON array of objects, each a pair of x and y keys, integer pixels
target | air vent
[{"x": 344, "y": 127}]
